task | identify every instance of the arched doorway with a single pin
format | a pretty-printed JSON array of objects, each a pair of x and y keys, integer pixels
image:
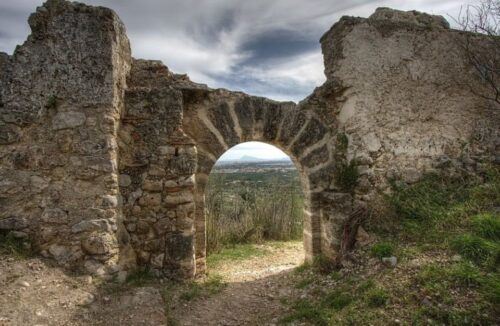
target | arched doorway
[
  {"x": 253, "y": 195},
  {"x": 223, "y": 119}
]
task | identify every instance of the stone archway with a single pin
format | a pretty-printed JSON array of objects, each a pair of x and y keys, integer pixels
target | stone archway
[{"x": 220, "y": 119}]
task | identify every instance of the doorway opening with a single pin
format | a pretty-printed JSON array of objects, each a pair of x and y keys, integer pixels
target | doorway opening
[{"x": 254, "y": 212}]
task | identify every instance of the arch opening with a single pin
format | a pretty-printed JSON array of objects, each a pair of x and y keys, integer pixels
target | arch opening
[{"x": 253, "y": 195}]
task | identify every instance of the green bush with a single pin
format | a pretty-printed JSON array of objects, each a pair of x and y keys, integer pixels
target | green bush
[{"x": 382, "y": 249}]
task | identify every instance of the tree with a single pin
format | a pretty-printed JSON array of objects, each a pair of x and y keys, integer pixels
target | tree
[{"x": 484, "y": 56}]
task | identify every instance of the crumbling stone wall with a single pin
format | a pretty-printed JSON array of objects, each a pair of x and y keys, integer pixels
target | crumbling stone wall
[
  {"x": 61, "y": 96},
  {"x": 104, "y": 159}
]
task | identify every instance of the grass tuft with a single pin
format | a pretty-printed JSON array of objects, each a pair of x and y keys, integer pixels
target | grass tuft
[
  {"x": 12, "y": 246},
  {"x": 382, "y": 249},
  {"x": 140, "y": 277},
  {"x": 474, "y": 248},
  {"x": 235, "y": 252},
  {"x": 377, "y": 297},
  {"x": 487, "y": 225},
  {"x": 213, "y": 284}
]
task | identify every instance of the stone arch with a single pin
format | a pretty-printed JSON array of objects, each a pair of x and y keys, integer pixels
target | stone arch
[{"x": 222, "y": 119}]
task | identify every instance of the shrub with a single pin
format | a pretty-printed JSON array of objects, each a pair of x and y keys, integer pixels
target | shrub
[
  {"x": 253, "y": 207},
  {"x": 382, "y": 249}
]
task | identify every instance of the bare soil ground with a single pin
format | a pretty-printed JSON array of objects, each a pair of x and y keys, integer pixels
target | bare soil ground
[
  {"x": 33, "y": 292},
  {"x": 254, "y": 289}
]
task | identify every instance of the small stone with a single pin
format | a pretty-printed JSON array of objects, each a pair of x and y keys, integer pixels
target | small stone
[
  {"x": 121, "y": 277},
  {"x": 456, "y": 258},
  {"x": 23, "y": 284},
  {"x": 392, "y": 261},
  {"x": 88, "y": 279},
  {"x": 124, "y": 180},
  {"x": 98, "y": 244},
  {"x": 87, "y": 299},
  {"x": 109, "y": 201},
  {"x": 95, "y": 268},
  {"x": 166, "y": 150},
  {"x": 91, "y": 225},
  {"x": 60, "y": 253}
]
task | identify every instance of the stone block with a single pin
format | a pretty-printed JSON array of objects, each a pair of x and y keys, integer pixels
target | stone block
[
  {"x": 178, "y": 198},
  {"x": 150, "y": 199},
  {"x": 99, "y": 244},
  {"x": 152, "y": 185},
  {"x": 54, "y": 216},
  {"x": 13, "y": 223},
  {"x": 66, "y": 120}
]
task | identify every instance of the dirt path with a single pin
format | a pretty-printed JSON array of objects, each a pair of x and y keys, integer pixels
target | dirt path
[
  {"x": 254, "y": 289},
  {"x": 34, "y": 292}
]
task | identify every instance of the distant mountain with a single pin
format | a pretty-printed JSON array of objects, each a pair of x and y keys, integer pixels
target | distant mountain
[
  {"x": 248, "y": 158},
  {"x": 252, "y": 159}
]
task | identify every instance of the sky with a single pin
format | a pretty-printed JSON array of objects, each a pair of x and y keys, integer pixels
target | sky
[
  {"x": 262, "y": 47},
  {"x": 253, "y": 149}
]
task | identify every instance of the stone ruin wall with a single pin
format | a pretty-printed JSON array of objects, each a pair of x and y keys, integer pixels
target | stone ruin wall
[{"x": 104, "y": 158}]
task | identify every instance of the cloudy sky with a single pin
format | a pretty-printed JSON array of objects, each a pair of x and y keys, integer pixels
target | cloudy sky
[{"x": 262, "y": 47}]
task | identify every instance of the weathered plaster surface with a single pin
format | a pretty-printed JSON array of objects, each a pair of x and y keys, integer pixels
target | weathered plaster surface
[{"x": 104, "y": 158}]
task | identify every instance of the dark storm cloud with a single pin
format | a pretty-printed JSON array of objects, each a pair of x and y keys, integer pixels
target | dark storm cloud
[
  {"x": 264, "y": 47},
  {"x": 276, "y": 45}
]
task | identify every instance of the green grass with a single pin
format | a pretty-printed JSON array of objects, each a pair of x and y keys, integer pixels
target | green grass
[
  {"x": 140, "y": 277},
  {"x": 235, "y": 252},
  {"x": 376, "y": 297},
  {"x": 336, "y": 300},
  {"x": 304, "y": 310},
  {"x": 426, "y": 225},
  {"x": 382, "y": 249},
  {"x": 475, "y": 248},
  {"x": 487, "y": 225},
  {"x": 213, "y": 284}
]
